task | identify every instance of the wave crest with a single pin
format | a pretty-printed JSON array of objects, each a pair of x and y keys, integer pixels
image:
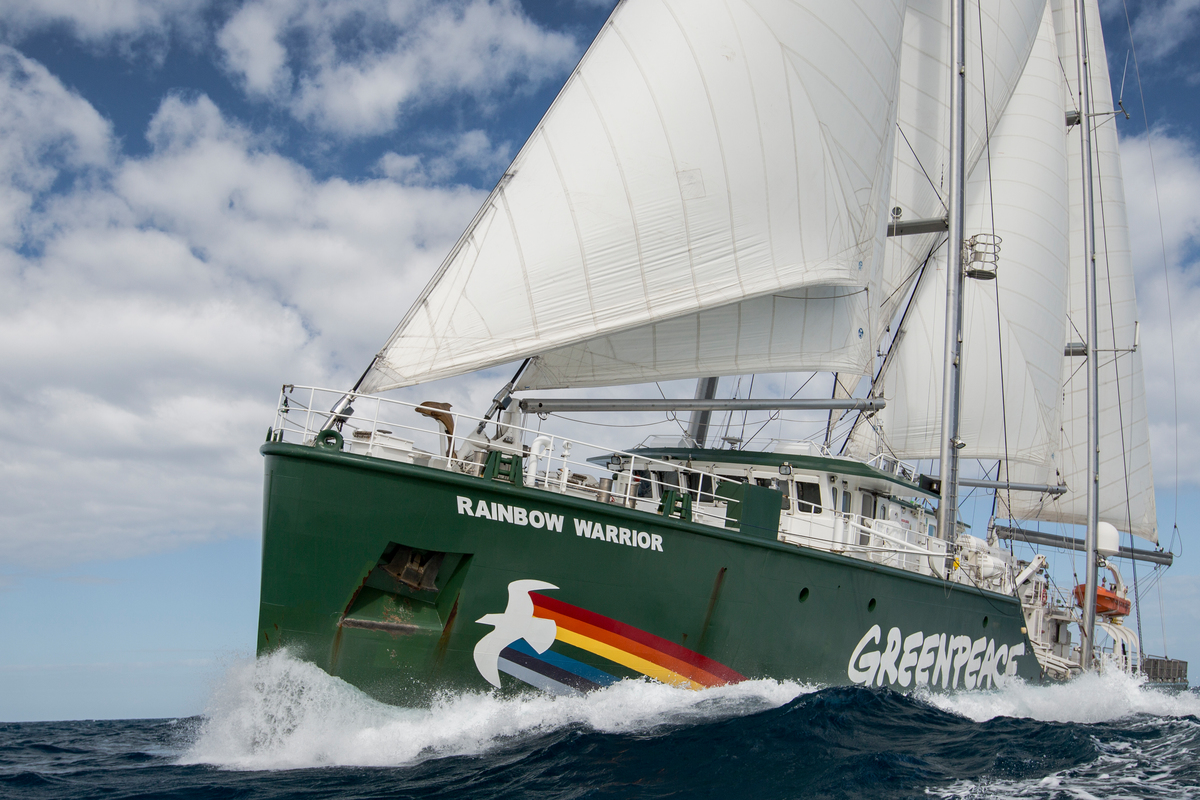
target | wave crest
[{"x": 278, "y": 712}]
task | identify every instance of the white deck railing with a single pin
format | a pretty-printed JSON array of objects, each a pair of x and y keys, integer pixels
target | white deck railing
[{"x": 395, "y": 430}]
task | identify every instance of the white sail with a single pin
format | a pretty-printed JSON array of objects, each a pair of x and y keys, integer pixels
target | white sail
[
  {"x": 703, "y": 153},
  {"x": 1012, "y": 326},
  {"x": 1126, "y": 476},
  {"x": 1008, "y": 29},
  {"x": 822, "y": 328}
]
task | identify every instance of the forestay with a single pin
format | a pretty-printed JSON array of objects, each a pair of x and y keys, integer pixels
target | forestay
[
  {"x": 704, "y": 153},
  {"x": 1126, "y": 477}
]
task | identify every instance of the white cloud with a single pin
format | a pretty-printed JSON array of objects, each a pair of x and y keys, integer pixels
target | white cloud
[
  {"x": 351, "y": 66},
  {"x": 43, "y": 129},
  {"x": 1161, "y": 27},
  {"x": 250, "y": 42},
  {"x": 1177, "y": 166},
  {"x": 102, "y": 21},
  {"x": 470, "y": 150},
  {"x": 152, "y": 307}
]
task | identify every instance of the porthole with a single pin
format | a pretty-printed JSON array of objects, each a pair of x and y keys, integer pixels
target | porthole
[
  {"x": 985, "y": 622},
  {"x": 803, "y": 594},
  {"x": 871, "y": 605}
]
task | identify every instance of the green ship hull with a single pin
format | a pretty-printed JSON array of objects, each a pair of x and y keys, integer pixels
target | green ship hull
[{"x": 390, "y": 576}]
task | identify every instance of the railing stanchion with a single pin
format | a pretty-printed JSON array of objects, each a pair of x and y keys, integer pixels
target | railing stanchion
[
  {"x": 312, "y": 394},
  {"x": 629, "y": 481}
]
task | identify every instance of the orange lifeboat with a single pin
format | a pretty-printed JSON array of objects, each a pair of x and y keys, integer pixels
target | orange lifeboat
[{"x": 1108, "y": 602}]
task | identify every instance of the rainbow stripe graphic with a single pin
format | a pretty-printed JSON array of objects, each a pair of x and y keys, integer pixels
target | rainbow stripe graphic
[{"x": 622, "y": 644}]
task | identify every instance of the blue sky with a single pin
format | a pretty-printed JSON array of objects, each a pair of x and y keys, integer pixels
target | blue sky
[{"x": 200, "y": 201}]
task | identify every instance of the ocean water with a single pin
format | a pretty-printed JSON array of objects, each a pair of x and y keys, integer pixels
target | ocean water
[{"x": 280, "y": 728}]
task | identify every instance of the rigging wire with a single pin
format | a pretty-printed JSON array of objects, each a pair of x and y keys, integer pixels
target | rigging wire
[
  {"x": 746, "y": 414},
  {"x": 1099, "y": 177},
  {"x": 987, "y": 140},
  {"x": 922, "y": 166},
  {"x": 1116, "y": 365},
  {"x": 670, "y": 415},
  {"x": 1170, "y": 316},
  {"x": 911, "y": 288},
  {"x": 1162, "y": 238},
  {"x": 604, "y": 424},
  {"x": 775, "y": 414}
]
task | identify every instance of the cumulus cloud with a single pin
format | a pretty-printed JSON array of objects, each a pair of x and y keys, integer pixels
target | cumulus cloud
[
  {"x": 351, "y": 66},
  {"x": 1176, "y": 162},
  {"x": 44, "y": 129},
  {"x": 153, "y": 305},
  {"x": 102, "y": 22},
  {"x": 1161, "y": 27},
  {"x": 472, "y": 150}
]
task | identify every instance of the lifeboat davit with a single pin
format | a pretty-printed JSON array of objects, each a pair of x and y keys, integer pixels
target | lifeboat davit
[{"x": 1108, "y": 602}]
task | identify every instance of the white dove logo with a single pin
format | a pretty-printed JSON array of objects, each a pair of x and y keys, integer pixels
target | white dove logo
[{"x": 517, "y": 622}]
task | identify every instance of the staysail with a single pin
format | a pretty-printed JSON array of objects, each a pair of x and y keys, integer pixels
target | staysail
[
  {"x": 704, "y": 153},
  {"x": 1126, "y": 477},
  {"x": 1012, "y": 326},
  {"x": 999, "y": 38}
]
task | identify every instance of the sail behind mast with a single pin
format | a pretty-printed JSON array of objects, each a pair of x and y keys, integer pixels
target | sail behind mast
[
  {"x": 1008, "y": 29},
  {"x": 703, "y": 153},
  {"x": 1012, "y": 326},
  {"x": 1126, "y": 476}
]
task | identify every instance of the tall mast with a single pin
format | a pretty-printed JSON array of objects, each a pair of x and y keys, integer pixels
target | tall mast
[
  {"x": 1093, "y": 386},
  {"x": 951, "y": 374},
  {"x": 697, "y": 430}
]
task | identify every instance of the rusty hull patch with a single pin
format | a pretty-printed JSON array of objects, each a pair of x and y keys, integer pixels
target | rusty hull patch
[{"x": 372, "y": 625}]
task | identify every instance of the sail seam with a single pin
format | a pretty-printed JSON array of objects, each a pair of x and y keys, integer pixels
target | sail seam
[
  {"x": 762, "y": 146},
  {"x": 737, "y": 268},
  {"x": 583, "y": 258},
  {"x": 687, "y": 226},
  {"x": 512, "y": 224}
]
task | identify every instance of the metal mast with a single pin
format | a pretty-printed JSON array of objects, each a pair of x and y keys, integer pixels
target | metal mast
[
  {"x": 951, "y": 374},
  {"x": 697, "y": 431},
  {"x": 1093, "y": 387}
]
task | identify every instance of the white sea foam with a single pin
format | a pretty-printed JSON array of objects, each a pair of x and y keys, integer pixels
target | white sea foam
[
  {"x": 1086, "y": 699},
  {"x": 281, "y": 713}
]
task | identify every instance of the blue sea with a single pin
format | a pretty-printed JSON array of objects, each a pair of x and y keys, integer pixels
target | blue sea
[{"x": 280, "y": 728}]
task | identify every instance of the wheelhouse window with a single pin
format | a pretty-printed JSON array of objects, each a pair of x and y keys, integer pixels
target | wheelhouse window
[
  {"x": 808, "y": 494},
  {"x": 868, "y": 506},
  {"x": 666, "y": 480}
]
